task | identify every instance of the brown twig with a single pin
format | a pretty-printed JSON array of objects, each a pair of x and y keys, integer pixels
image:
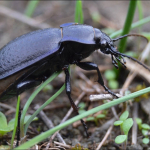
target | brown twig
[
  {"x": 86, "y": 89},
  {"x": 136, "y": 68},
  {"x": 115, "y": 113},
  {"x": 105, "y": 126},
  {"x": 20, "y": 17},
  {"x": 60, "y": 144},
  {"x": 102, "y": 97},
  {"x": 56, "y": 106},
  {"x": 89, "y": 82},
  {"x": 7, "y": 107},
  {"x": 49, "y": 124},
  {"x": 126, "y": 84},
  {"x": 105, "y": 97},
  {"x": 105, "y": 137},
  {"x": 146, "y": 52},
  {"x": 134, "y": 128}
]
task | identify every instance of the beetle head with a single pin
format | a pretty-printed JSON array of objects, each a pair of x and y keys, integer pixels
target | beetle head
[
  {"x": 105, "y": 43},
  {"x": 106, "y": 46}
]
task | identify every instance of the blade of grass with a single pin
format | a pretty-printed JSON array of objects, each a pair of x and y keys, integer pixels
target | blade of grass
[
  {"x": 79, "y": 12},
  {"x": 140, "y": 11},
  {"x": 126, "y": 29},
  {"x": 31, "y": 99},
  {"x": 43, "y": 106},
  {"x": 139, "y": 5},
  {"x": 46, "y": 134},
  {"x": 127, "y": 25},
  {"x": 16, "y": 122},
  {"x": 134, "y": 25},
  {"x": 31, "y": 7}
]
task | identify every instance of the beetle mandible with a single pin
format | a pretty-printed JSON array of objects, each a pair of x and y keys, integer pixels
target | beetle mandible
[{"x": 30, "y": 59}]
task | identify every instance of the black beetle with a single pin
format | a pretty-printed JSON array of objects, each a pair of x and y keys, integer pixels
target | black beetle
[{"x": 30, "y": 59}]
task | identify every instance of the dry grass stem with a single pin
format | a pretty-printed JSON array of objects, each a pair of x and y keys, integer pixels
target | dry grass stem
[
  {"x": 7, "y": 107},
  {"x": 20, "y": 17},
  {"x": 60, "y": 144},
  {"x": 134, "y": 127},
  {"x": 102, "y": 97},
  {"x": 50, "y": 125},
  {"x": 105, "y": 137}
]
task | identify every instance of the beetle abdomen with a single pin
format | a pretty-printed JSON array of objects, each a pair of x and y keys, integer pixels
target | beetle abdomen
[{"x": 27, "y": 50}]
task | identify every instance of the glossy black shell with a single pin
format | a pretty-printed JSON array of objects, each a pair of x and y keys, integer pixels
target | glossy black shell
[
  {"x": 31, "y": 49},
  {"x": 27, "y": 50},
  {"x": 35, "y": 46}
]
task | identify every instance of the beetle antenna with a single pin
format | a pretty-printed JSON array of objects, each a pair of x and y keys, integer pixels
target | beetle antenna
[
  {"x": 133, "y": 60},
  {"x": 133, "y": 34}
]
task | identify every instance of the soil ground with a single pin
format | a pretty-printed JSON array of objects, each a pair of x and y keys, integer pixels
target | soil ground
[{"x": 53, "y": 14}]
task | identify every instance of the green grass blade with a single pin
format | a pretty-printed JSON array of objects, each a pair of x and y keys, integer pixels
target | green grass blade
[
  {"x": 140, "y": 10},
  {"x": 127, "y": 25},
  {"x": 79, "y": 12},
  {"x": 31, "y": 99},
  {"x": 43, "y": 106},
  {"x": 76, "y": 12},
  {"x": 126, "y": 29},
  {"x": 31, "y": 7},
  {"x": 139, "y": 5},
  {"x": 134, "y": 25},
  {"x": 46, "y": 134},
  {"x": 16, "y": 122}
]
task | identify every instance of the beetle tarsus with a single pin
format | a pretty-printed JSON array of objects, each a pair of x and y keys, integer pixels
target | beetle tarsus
[
  {"x": 121, "y": 62},
  {"x": 116, "y": 66},
  {"x": 109, "y": 91},
  {"x": 68, "y": 92},
  {"x": 123, "y": 59},
  {"x": 114, "y": 62}
]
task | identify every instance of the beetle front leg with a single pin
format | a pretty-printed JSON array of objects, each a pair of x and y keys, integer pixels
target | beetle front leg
[
  {"x": 92, "y": 66},
  {"x": 68, "y": 92}
]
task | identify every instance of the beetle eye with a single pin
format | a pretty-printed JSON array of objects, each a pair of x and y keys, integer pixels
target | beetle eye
[{"x": 103, "y": 43}]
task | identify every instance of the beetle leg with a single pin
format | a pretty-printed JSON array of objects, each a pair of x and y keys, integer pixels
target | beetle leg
[
  {"x": 114, "y": 62},
  {"x": 121, "y": 62},
  {"x": 68, "y": 92},
  {"x": 27, "y": 84},
  {"x": 92, "y": 66}
]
